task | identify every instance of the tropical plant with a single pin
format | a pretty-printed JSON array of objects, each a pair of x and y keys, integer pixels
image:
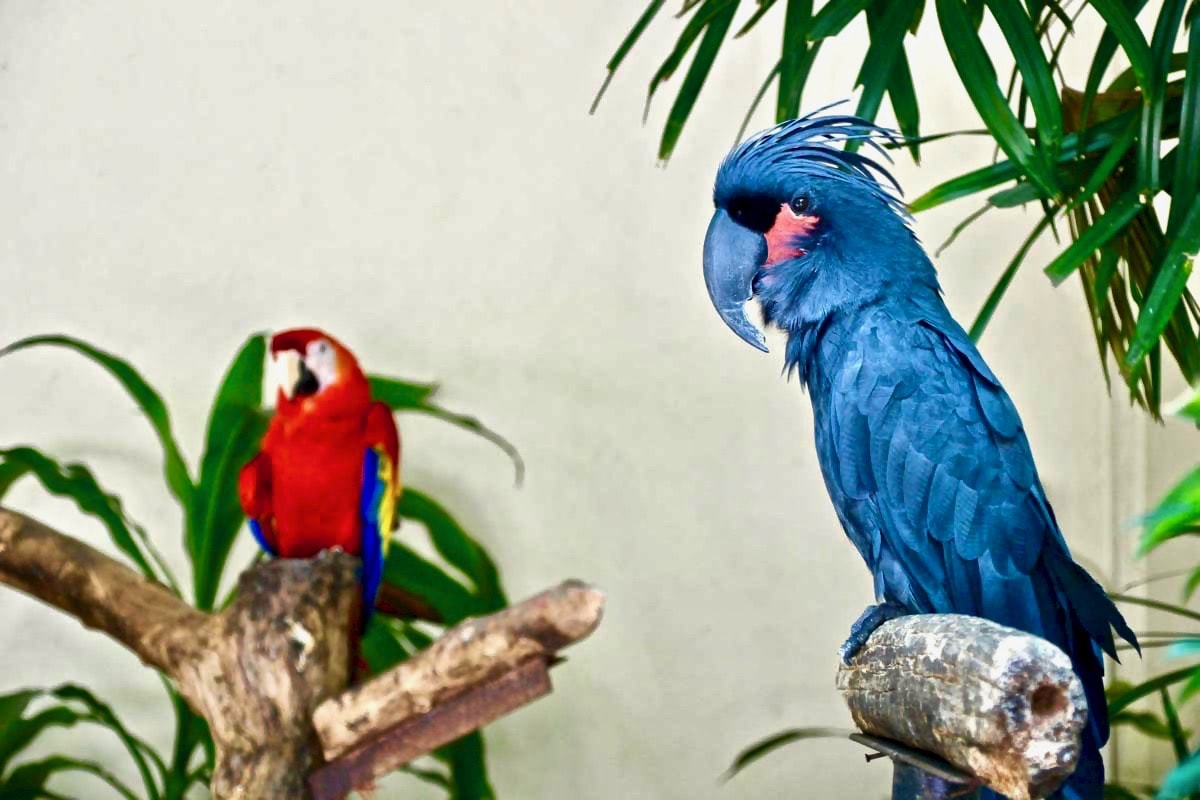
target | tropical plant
[
  {"x": 1176, "y": 515},
  {"x": 462, "y": 581},
  {"x": 1097, "y": 158}
]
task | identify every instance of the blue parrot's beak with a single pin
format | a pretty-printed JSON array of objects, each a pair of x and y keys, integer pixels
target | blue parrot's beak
[{"x": 732, "y": 255}]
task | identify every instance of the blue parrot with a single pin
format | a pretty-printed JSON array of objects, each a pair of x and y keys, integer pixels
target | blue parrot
[{"x": 922, "y": 451}]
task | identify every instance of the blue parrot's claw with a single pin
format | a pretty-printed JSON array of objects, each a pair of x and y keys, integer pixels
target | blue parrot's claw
[{"x": 866, "y": 624}]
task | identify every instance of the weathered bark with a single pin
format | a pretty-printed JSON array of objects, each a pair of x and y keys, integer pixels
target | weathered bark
[
  {"x": 254, "y": 671},
  {"x": 470, "y": 654},
  {"x": 98, "y": 591},
  {"x": 994, "y": 702},
  {"x": 259, "y": 670}
]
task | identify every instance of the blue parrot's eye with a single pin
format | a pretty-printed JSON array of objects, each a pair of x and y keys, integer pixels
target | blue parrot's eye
[{"x": 799, "y": 205}]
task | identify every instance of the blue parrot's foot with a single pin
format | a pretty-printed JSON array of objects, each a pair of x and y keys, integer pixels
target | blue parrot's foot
[{"x": 866, "y": 624}]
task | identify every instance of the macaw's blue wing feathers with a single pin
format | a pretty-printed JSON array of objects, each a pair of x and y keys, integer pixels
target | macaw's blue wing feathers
[
  {"x": 257, "y": 532},
  {"x": 377, "y": 507}
]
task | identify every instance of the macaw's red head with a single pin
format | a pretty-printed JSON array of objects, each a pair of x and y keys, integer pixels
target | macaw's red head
[{"x": 317, "y": 375}]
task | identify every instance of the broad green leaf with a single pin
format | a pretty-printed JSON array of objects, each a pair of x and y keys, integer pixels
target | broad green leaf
[
  {"x": 692, "y": 31},
  {"x": 383, "y": 644},
  {"x": 1170, "y": 608},
  {"x": 394, "y": 394},
  {"x": 1167, "y": 288},
  {"x": 1099, "y": 138},
  {"x": 1120, "y": 20},
  {"x": 1103, "y": 230},
  {"x": 626, "y": 45},
  {"x": 1186, "y": 406},
  {"x": 978, "y": 76},
  {"x": 148, "y": 400},
  {"x": 468, "y": 768},
  {"x": 1186, "y": 180},
  {"x": 1119, "y": 703},
  {"x": 20, "y": 733},
  {"x": 795, "y": 62},
  {"x": 1150, "y": 139},
  {"x": 693, "y": 82},
  {"x": 834, "y": 16},
  {"x": 757, "y": 101},
  {"x": 763, "y": 7},
  {"x": 76, "y": 482},
  {"x": 398, "y": 394},
  {"x": 139, "y": 751},
  {"x": 975, "y": 13},
  {"x": 1193, "y": 581},
  {"x": 1127, "y": 81},
  {"x": 1020, "y": 33},
  {"x": 887, "y": 42},
  {"x": 409, "y": 571},
  {"x": 428, "y": 776},
  {"x": 1190, "y": 688},
  {"x": 1144, "y": 722},
  {"x": 1181, "y": 781},
  {"x": 1105, "y": 272},
  {"x": 1106, "y": 166},
  {"x": 903, "y": 95},
  {"x": 1177, "y": 735},
  {"x": 10, "y": 473},
  {"x": 13, "y": 705},
  {"x": 1115, "y": 791},
  {"x": 997, "y": 294},
  {"x": 236, "y": 425},
  {"x": 28, "y": 780},
  {"x": 765, "y": 747},
  {"x": 1184, "y": 647},
  {"x": 456, "y": 546}
]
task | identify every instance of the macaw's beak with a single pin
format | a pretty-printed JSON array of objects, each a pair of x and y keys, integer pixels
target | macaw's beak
[
  {"x": 732, "y": 255},
  {"x": 306, "y": 384},
  {"x": 293, "y": 375}
]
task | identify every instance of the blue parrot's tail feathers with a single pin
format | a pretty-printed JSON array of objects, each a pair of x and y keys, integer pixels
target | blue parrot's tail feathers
[{"x": 1090, "y": 605}]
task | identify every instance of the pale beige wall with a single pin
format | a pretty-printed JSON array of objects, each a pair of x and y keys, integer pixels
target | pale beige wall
[{"x": 423, "y": 180}]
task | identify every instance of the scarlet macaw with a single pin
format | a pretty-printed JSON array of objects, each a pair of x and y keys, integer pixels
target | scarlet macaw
[
  {"x": 328, "y": 473},
  {"x": 922, "y": 450}
]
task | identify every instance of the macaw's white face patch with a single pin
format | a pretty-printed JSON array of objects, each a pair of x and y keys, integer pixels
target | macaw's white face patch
[{"x": 321, "y": 360}]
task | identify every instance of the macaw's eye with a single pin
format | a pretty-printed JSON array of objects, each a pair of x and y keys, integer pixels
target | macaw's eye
[{"x": 799, "y": 205}]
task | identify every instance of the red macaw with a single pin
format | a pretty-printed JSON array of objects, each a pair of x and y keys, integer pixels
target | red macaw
[{"x": 328, "y": 473}]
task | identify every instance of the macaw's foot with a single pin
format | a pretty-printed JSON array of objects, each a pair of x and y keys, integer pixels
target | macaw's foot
[{"x": 866, "y": 624}]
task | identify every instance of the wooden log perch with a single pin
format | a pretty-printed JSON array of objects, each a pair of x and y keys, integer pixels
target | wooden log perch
[
  {"x": 996, "y": 703},
  {"x": 259, "y": 670},
  {"x": 479, "y": 670}
]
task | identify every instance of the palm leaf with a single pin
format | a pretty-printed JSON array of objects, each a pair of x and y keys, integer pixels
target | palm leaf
[{"x": 147, "y": 399}]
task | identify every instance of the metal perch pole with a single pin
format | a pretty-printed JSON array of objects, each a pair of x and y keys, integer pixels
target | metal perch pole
[{"x": 959, "y": 702}]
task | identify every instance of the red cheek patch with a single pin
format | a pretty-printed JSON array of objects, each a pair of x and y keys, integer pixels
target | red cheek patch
[{"x": 786, "y": 237}]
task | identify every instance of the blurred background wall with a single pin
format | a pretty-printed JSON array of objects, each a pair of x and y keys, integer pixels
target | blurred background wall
[{"x": 424, "y": 181}]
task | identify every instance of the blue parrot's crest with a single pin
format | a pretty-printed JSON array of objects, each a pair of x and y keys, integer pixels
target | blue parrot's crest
[{"x": 807, "y": 148}]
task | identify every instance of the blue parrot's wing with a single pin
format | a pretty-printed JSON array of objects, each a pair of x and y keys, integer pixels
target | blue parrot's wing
[
  {"x": 932, "y": 474},
  {"x": 378, "y": 509}
]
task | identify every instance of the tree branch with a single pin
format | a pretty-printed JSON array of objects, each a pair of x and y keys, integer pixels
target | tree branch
[
  {"x": 470, "y": 654},
  {"x": 997, "y": 703},
  {"x": 264, "y": 670},
  {"x": 97, "y": 590}
]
